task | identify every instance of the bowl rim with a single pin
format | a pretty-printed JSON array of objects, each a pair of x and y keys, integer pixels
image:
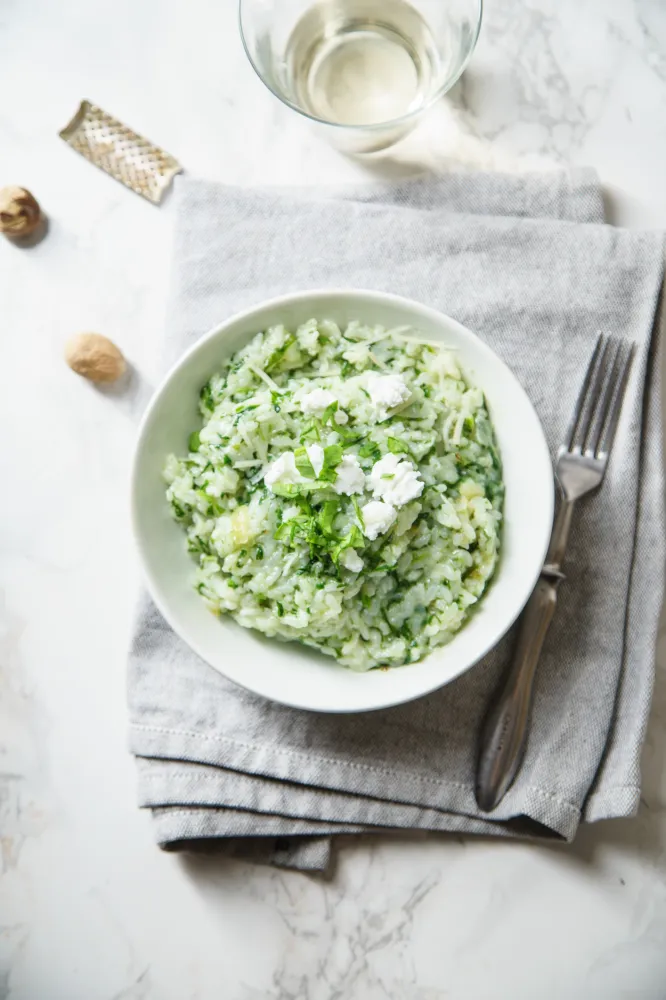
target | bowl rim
[
  {"x": 296, "y": 298},
  {"x": 388, "y": 123}
]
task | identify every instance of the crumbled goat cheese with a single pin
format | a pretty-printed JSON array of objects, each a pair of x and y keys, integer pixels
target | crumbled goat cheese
[
  {"x": 316, "y": 401},
  {"x": 386, "y": 392},
  {"x": 395, "y": 480},
  {"x": 350, "y": 478},
  {"x": 378, "y": 517},
  {"x": 283, "y": 471},
  {"x": 352, "y": 561}
]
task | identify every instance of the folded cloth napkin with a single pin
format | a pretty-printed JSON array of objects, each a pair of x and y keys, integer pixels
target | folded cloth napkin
[{"x": 530, "y": 266}]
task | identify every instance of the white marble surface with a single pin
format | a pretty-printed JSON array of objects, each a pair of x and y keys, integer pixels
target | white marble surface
[{"x": 90, "y": 909}]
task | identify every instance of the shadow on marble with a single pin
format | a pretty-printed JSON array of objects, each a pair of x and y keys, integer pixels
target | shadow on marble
[
  {"x": 131, "y": 393},
  {"x": 214, "y": 862},
  {"x": 449, "y": 139},
  {"x": 418, "y": 153}
]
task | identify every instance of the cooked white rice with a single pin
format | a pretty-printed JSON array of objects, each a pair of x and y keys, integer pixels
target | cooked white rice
[{"x": 278, "y": 561}]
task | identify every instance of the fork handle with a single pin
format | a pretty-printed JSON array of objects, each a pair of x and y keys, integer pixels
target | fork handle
[
  {"x": 560, "y": 537},
  {"x": 504, "y": 735}
]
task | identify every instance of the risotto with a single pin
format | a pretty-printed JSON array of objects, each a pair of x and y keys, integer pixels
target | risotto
[{"x": 345, "y": 490}]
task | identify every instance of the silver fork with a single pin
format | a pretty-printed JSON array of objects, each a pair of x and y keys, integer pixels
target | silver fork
[{"x": 581, "y": 465}]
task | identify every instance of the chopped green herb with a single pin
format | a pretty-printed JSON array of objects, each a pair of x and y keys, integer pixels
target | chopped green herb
[
  {"x": 327, "y": 516},
  {"x": 303, "y": 464},
  {"x": 370, "y": 450},
  {"x": 396, "y": 446},
  {"x": 277, "y": 356},
  {"x": 206, "y": 397},
  {"x": 348, "y": 435},
  {"x": 279, "y": 609},
  {"x": 304, "y": 504},
  {"x": 354, "y": 539},
  {"x": 198, "y": 544},
  {"x": 311, "y": 432},
  {"x": 327, "y": 415},
  {"x": 294, "y": 490},
  {"x": 358, "y": 512},
  {"x": 284, "y": 530},
  {"x": 332, "y": 458},
  {"x": 194, "y": 441},
  {"x": 259, "y": 554}
]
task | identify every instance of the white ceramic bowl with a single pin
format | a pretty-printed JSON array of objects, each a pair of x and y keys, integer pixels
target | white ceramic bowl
[{"x": 287, "y": 672}]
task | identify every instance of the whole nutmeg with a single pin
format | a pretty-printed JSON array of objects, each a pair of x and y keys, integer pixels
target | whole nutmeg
[
  {"x": 20, "y": 213},
  {"x": 95, "y": 357}
]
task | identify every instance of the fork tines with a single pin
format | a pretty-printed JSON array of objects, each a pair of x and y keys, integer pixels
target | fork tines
[{"x": 597, "y": 412}]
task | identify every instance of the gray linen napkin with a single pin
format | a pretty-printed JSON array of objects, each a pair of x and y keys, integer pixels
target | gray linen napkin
[{"x": 528, "y": 264}]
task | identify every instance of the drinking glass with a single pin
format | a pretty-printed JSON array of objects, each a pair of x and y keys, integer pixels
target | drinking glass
[{"x": 364, "y": 71}]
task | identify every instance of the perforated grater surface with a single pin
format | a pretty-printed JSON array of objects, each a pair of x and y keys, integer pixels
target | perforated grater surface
[{"x": 120, "y": 152}]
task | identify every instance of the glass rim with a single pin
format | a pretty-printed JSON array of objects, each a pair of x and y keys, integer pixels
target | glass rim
[{"x": 373, "y": 126}]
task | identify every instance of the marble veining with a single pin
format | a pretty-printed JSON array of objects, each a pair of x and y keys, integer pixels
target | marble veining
[{"x": 89, "y": 908}]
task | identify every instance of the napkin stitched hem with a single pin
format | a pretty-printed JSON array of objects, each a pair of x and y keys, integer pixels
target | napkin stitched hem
[
  {"x": 229, "y": 789},
  {"x": 305, "y": 767},
  {"x": 617, "y": 793}
]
